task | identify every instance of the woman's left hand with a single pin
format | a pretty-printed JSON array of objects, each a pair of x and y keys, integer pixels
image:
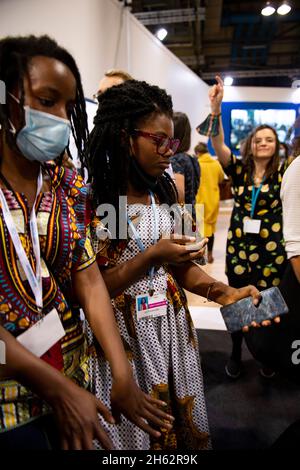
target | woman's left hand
[
  {"x": 138, "y": 407},
  {"x": 247, "y": 291}
]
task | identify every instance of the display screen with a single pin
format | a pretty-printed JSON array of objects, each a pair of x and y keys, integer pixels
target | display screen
[{"x": 243, "y": 121}]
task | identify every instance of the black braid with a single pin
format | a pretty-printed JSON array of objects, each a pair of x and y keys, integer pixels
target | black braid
[
  {"x": 15, "y": 53},
  {"x": 123, "y": 108}
]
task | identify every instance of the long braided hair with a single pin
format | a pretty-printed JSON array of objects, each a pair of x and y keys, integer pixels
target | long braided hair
[
  {"x": 15, "y": 55},
  {"x": 122, "y": 109}
]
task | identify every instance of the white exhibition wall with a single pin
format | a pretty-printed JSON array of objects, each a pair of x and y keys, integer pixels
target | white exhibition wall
[
  {"x": 261, "y": 94},
  {"x": 102, "y": 34}
]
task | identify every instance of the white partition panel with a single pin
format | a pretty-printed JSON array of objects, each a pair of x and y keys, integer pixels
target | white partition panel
[{"x": 102, "y": 34}]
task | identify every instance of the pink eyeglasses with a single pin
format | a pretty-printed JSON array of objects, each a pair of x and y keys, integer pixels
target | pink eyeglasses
[{"x": 163, "y": 144}]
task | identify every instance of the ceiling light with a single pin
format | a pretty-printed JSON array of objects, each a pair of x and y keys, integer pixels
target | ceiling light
[
  {"x": 228, "y": 81},
  {"x": 268, "y": 10},
  {"x": 161, "y": 34},
  {"x": 296, "y": 83},
  {"x": 284, "y": 9}
]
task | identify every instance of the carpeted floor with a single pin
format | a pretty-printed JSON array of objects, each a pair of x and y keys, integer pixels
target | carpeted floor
[{"x": 251, "y": 412}]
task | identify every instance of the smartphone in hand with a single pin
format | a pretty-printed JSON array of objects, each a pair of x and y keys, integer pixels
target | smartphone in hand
[
  {"x": 197, "y": 246},
  {"x": 244, "y": 312}
]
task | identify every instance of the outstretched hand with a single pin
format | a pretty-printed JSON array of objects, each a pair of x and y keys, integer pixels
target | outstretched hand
[
  {"x": 138, "y": 407},
  {"x": 247, "y": 291}
]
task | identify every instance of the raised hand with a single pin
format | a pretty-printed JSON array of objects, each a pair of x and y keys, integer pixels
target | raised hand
[{"x": 215, "y": 94}]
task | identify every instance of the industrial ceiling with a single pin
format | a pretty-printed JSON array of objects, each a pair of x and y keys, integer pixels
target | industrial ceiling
[{"x": 228, "y": 37}]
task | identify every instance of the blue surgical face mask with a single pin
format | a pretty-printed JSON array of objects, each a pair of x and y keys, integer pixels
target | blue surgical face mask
[{"x": 44, "y": 136}]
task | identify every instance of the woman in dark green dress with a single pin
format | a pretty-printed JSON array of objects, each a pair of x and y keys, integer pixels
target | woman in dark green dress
[
  {"x": 255, "y": 248},
  {"x": 257, "y": 256}
]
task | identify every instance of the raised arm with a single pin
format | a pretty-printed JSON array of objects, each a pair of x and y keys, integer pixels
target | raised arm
[{"x": 223, "y": 152}]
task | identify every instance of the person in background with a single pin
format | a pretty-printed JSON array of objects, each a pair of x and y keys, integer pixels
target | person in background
[
  {"x": 47, "y": 264},
  {"x": 296, "y": 143},
  {"x": 283, "y": 345},
  {"x": 111, "y": 78},
  {"x": 255, "y": 245},
  {"x": 208, "y": 193},
  {"x": 185, "y": 167},
  {"x": 288, "y": 338},
  {"x": 284, "y": 154}
]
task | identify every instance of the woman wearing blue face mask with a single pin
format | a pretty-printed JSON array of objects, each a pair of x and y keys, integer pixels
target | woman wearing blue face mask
[{"x": 47, "y": 264}]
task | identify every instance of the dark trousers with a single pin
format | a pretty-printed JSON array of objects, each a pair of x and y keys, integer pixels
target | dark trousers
[
  {"x": 273, "y": 345},
  {"x": 289, "y": 439},
  {"x": 276, "y": 345},
  {"x": 237, "y": 340},
  {"x": 40, "y": 434},
  {"x": 237, "y": 336},
  {"x": 210, "y": 242}
]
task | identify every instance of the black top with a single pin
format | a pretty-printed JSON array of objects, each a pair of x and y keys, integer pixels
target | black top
[{"x": 189, "y": 167}]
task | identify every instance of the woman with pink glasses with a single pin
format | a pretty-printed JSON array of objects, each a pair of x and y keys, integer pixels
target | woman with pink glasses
[{"x": 130, "y": 148}]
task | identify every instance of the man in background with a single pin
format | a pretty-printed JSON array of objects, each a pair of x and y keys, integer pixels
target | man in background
[{"x": 111, "y": 78}]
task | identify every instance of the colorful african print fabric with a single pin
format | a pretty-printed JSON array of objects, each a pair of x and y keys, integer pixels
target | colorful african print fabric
[
  {"x": 65, "y": 246},
  {"x": 163, "y": 351},
  {"x": 258, "y": 259}
]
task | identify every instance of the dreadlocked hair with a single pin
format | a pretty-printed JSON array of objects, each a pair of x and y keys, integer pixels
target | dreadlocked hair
[
  {"x": 15, "y": 55},
  {"x": 247, "y": 156},
  {"x": 122, "y": 109}
]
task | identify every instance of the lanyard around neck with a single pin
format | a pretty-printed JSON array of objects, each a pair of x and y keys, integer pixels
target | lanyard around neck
[
  {"x": 155, "y": 237},
  {"x": 255, "y": 194},
  {"x": 35, "y": 280}
]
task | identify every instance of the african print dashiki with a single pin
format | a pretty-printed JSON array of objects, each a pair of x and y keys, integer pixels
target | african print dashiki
[{"x": 65, "y": 246}]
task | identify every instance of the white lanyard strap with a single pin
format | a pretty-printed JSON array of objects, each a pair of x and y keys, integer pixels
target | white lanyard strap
[
  {"x": 155, "y": 213},
  {"x": 35, "y": 280},
  {"x": 155, "y": 237}
]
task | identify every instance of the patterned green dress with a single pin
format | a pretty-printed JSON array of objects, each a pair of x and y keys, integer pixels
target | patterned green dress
[{"x": 258, "y": 259}]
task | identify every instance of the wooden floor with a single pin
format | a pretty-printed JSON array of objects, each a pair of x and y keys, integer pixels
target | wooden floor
[{"x": 205, "y": 314}]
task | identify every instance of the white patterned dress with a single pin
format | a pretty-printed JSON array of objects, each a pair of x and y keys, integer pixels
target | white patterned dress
[{"x": 163, "y": 351}]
